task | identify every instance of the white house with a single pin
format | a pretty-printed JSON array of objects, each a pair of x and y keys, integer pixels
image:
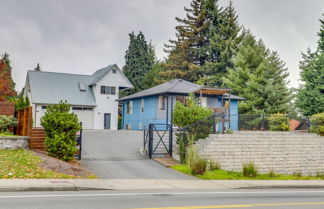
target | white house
[{"x": 93, "y": 97}]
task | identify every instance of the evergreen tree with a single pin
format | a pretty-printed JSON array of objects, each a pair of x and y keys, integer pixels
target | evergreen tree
[
  {"x": 139, "y": 59},
  {"x": 206, "y": 41},
  {"x": 188, "y": 52},
  {"x": 259, "y": 76},
  {"x": 7, "y": 86},
  {"x": 224, "y": 37},
  {"x": 310, "y": 97},
  {"x": 37, "y": 68}
]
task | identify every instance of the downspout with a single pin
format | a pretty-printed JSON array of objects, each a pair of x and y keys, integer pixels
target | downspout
[
  {"x": 167, "y": 110},
  {"x": 35, "y": 122}
]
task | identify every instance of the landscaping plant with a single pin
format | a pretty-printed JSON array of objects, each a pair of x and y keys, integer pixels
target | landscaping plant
[
  {"x": 249, "y": 170},
  {"x": 317, "y": 123},
  {"x": 278, "y": 122},
  {"x": 61, "y": 127},
  {"x": 6, "y": 122}
]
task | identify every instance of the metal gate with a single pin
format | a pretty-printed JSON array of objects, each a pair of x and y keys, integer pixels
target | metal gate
[{"x": 158, "y": 139}]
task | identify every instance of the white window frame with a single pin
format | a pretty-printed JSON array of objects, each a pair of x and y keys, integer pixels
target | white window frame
[
  {"x": 129, "y": 107},
  {"x": 161, "y": 103},
  {"x": 142, "y": 106}
]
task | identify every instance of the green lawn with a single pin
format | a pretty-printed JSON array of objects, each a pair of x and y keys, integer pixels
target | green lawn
[
  {"x": 6, "y": 134},
  {"x": 223, "y": 175},
  {"x": 24, "y": 164}
]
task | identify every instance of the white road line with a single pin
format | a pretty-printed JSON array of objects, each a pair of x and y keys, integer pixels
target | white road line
[{"x": 156, "y": 193}]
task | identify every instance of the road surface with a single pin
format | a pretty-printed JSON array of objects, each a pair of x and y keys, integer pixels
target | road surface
[{"x": 256, "y": 199}]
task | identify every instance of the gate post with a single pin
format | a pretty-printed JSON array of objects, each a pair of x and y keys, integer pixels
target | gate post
[{"x": 150, "y": 144}]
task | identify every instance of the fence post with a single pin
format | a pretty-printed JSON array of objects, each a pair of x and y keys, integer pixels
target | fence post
[
  {"x": 223, "y": 123},
  {"x": 80, "y": 143},
  {"x": 170, "y": 140},
  {"x": 150, "y": 147},
  {"x": 263, "y": 123},
  {"x": 214, "y": 125}
]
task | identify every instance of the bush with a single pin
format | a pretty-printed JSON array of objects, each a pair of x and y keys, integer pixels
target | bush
[
  {"x": 278, "y": 122},
  {"x": 6, "y": 122},
  {"x": 213, "y": 165},
  {"x": 189, "y": 113},
  {"x": 61, "y": 127},
  {"x": 317, "y": 123},
  {"x": 249, "y": 170},
  {"x": 229, "y": 131},
  {"x": 182, "y": 151},
  {"x": 198, "y": 166}
]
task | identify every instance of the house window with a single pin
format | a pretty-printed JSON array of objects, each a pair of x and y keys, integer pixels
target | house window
[
  {"x": 129, "y": 107},
  {"x": 108, "y": 90},
  {"x": 82, "y": 108},
  {"x": 44, "y": 107},
  {"x": 161, "y": 103},
  {"x": 142, "y": 105}
]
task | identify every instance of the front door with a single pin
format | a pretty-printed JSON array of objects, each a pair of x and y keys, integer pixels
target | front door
[{"x": 107, "y": 121}]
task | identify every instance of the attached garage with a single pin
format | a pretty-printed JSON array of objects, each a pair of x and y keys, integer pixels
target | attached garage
[{"x": 85, "y": 115}]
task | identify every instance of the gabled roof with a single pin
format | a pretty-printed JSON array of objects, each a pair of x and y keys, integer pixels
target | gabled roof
[
  {"x": 102, "y": 72},
  {"x": 51, "y": 87},
  {"x": 176, "y": 86}
]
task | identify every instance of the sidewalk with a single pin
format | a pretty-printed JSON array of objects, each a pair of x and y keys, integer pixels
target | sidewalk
[{"x": 9, "y": 185}]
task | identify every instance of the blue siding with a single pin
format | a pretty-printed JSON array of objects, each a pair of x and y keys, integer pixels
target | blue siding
[
  {"x": 137, "y": 117},
  {"x": 150, "y": 112},
  {"x": 234, "y": 115}
]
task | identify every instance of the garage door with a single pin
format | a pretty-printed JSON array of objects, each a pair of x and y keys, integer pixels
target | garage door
[{"x": 85, "y": 115}]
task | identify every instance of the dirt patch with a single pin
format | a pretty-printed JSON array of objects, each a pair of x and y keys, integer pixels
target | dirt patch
[
  {"x": 166, "y": 161},
  {"x": 74, "y": 168}
]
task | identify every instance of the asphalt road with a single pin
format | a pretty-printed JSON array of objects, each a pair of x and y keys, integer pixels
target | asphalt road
[
  {"x": 115, "y": 155},
  {"x": 258, "y": 199}
]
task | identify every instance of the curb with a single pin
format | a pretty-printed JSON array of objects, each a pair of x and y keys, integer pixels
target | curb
[
  {"x": 48, "y": 189},
  {"x": 284, "y": 187}
]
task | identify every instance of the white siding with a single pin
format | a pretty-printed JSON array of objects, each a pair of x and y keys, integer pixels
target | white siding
[{"x": 107, "y": 103}]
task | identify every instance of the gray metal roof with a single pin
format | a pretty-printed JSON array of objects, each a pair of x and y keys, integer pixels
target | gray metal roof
[
  {"x": 176, "y": 86},
  {"x": 51, "y": 87}
]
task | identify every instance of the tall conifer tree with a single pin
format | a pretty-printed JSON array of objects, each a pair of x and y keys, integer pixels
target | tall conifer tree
[
  {"x": 310, "y": 97},
  {"x": 139, "y": 59},
  {"x": 259, "y": 76}
]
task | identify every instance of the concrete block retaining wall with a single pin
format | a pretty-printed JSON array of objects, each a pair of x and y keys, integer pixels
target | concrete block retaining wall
[
  {"x": 281, "y": 152},
  {"x": 18, "y": 142}
]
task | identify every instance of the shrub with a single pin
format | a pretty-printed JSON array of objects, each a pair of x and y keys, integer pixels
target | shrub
[
  {"x": 61, "y": 127},
  {"x": 198, "y": 166},
  {"x": 278, "y": 122},
  {"x": 249, "y": 170},
  {"x": 213, "y": 165},
  {"x": 317, "y": 123},
  {"x": 272, "y": 174},
  {"x": 229, "y": 131},
  {"x": 182, "y": 151},
  {"x": 189, "y": 113},
  {"x": 6, "y": 122}
]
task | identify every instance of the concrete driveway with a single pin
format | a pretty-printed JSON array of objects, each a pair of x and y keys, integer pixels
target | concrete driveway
[{"x": 115, "y": 155}]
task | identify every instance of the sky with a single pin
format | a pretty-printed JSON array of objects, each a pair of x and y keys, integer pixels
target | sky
[{"x": 82, "y": 36}]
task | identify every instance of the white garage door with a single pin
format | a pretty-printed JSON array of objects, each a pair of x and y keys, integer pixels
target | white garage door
[{"x": 85, "y": 115}]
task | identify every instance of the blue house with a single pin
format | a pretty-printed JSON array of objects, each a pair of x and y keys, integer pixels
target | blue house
[{"x": 154, "y": 105}]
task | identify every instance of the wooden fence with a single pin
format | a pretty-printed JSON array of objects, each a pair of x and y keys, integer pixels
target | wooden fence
[{"x": 25, "y": 121}]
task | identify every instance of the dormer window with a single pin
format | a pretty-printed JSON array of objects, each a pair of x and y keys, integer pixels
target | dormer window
[
  {"x": 82, "y": 86},
  {"x": 108, "y": 90}
]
